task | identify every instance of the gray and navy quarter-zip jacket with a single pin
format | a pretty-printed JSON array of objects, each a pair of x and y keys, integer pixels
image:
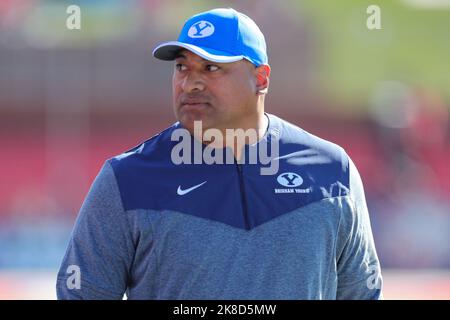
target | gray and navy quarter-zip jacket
[{"x": 152, "y": 229}]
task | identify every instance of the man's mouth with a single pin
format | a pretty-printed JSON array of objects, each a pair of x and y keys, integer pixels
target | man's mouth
[{"x": 194, "y": 105}]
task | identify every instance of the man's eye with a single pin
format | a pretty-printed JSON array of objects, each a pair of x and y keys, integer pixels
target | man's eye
[
  {"x": 212, "y": 67},
  {"x": 180, "y": 67}
]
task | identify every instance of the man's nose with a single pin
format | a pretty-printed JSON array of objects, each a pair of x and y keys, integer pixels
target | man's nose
[{"x": 193, "y": 82}]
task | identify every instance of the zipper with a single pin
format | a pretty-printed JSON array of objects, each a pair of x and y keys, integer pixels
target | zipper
[{"x": 243, "y": 197}]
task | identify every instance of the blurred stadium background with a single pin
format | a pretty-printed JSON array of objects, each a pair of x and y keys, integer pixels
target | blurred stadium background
[{"x": 69, "y": 99}]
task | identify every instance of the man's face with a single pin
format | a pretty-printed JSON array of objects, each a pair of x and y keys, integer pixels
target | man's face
[{"x": 221, "y": 95}]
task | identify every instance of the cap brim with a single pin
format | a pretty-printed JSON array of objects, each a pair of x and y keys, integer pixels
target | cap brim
[{"x": 169, "y": 51}]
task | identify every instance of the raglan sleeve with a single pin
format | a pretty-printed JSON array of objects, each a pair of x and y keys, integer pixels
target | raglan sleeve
[
  {"x": 358, "y": 266},
  {"x": 100, "y": 250}
]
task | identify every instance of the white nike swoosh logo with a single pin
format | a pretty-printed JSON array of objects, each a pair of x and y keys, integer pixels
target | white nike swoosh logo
[{"x": 183, "y": 192}]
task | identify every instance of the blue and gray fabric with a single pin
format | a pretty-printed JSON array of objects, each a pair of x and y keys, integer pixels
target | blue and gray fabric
[{"x": 303, "y": 233}]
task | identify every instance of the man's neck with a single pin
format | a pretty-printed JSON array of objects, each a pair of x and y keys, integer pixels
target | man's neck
[{"x": 237, "y": 137}]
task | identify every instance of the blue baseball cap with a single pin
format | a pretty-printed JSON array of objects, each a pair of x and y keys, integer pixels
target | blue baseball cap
[{"x": 218, "y": 35}]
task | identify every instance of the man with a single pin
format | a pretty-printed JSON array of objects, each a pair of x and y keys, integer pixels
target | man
[{"x": 155, "y": 227}]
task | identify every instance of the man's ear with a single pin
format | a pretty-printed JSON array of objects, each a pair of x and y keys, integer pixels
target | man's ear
[{"x": 262, "y": 79}]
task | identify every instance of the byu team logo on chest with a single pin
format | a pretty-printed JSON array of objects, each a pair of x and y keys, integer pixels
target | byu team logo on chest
[
  {"x": 290, "y": 181},
  {"x": 201, "y": 29}
]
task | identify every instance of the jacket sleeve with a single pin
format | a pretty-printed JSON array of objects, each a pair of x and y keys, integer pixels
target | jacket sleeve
[
  {"x": 358, "y": 267},
  {"x": 100, "y": 252}
]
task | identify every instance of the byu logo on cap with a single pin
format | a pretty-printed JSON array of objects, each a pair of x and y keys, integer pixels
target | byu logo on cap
[{"x": 201, "y": 29}]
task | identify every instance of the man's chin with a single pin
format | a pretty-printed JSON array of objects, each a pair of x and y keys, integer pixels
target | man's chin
[
  {"x": 189, "y": 122},
  {"x": 187, "y": 119},
  {"x": 196, "y": 123}
]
